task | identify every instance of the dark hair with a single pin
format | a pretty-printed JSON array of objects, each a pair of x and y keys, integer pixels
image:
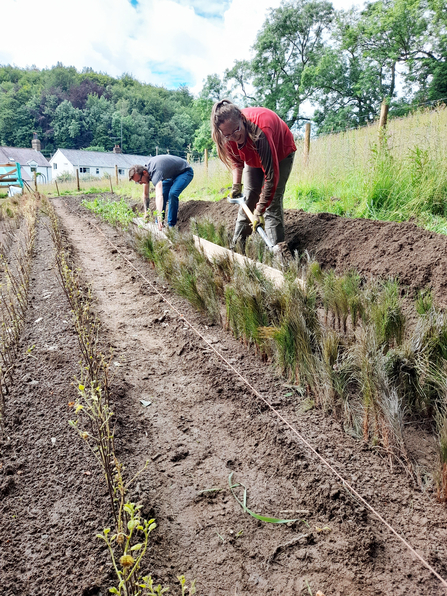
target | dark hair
[{"x": 137, "y": 169}]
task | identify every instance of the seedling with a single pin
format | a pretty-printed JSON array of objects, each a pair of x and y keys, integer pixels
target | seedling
[{"x": 243, "y": 504}]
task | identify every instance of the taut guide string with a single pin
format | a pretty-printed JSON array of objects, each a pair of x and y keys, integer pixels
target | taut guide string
[{"x": 259, "y": 396}]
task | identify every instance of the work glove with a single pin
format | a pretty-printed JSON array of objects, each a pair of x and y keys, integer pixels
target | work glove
[
  {"x": 258, "y": 220},
  {"x": 236, "y": 191}
]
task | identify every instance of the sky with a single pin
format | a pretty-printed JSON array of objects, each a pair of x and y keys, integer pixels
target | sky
[{"x": 161, "y": 42}]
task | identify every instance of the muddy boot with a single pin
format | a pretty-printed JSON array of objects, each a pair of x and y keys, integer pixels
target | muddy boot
[
  {"x": 282, "y": 253},
  {"x": 241, "y": 231}
]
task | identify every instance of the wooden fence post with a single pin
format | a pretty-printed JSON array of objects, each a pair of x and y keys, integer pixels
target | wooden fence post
[
  {"x": 205, "y": 157},
  {"x": 35, "y": 181},
  {"x": 383, "y": 122},
  {"x": 116, "y": 175},
  {"x": 57, "y": 188},
  {"x": 77, "y": 180},
  {"x": 383, "y": 115},
  {"x": 111, "y": 187},
  {"x": 306, "y": 146}
]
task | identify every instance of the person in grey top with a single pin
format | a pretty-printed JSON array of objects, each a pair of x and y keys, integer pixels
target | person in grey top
[{"x": 170, "y": 175}]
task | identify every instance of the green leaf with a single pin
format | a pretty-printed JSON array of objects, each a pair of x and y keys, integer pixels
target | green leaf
[
  {"x": 289, "y": 394},
  {"x": 113, "y": 591},
  {"x": 270, "y": 520},
  {"x": 137, "y": 546},
  {"x": 131, "y": 524}
]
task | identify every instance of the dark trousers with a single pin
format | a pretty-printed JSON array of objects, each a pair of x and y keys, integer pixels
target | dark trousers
[{"x": 274, "y": 214}]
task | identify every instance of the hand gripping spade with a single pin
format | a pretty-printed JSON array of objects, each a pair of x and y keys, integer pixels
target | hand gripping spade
[{"x": 241, "y": 202}]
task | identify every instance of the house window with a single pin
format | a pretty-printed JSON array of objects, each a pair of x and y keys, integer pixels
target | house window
[
  {"x": 84, "y": 170},
  {"x": 54, "y": 166},
  {"x": 121, "y": 172},
  {"x": 97, "y": 170},
  {"x": 33, "y": 168}
]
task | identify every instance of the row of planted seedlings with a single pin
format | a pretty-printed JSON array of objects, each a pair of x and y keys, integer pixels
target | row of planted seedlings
[
  {"x": 344, "y": 343},
  {"x": 128, "y": 538},
  {"x": 17, "y": 235}
]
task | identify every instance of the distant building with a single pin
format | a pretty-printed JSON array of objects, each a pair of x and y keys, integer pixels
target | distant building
[
  {"x": 94, "y": 163},
  {"x": 30, "y": 160}
]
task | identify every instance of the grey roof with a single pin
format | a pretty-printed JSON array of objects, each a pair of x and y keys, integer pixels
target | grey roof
[
  {"x": 103, "y": 160},
  {"x": 23, "y": 156}
]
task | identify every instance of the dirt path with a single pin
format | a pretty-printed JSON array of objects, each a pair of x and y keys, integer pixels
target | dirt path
[
  {"x": 202, "y": 425},
  {"x": 49, "y": 484}
]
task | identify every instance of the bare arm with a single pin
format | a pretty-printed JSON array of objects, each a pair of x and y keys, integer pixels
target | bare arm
[
  {"x": 237, "y": 175},
  {"x": 159, "y": 202},
  {"x": 145, "y": 197}
]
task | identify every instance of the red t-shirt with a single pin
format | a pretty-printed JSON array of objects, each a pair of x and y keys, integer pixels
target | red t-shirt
[{"x": 275, "y": 144}]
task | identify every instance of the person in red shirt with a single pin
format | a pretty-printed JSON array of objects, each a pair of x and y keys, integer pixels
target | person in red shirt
[{"x": 258, "y": 139}]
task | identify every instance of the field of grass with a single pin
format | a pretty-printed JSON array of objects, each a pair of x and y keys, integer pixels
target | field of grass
[{"x": 356, "y": 174}]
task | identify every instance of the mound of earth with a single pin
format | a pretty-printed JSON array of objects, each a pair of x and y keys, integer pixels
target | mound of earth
[{"x": 416, "y": 257}]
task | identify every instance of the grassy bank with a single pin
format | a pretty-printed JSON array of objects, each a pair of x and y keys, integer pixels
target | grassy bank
[{"x": 403, "y": 175}]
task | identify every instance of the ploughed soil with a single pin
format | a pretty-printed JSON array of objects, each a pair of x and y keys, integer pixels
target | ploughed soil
[
  {"x": 203, "y": 424},
  {"x": 416, "y": 257}
]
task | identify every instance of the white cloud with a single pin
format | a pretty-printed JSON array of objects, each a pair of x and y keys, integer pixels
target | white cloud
[{"x": 163, "y": 42}]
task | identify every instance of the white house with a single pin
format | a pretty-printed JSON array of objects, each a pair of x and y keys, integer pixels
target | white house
[
  {"x": 30, "y": 160},
  {"x": 94, "y": 163}
]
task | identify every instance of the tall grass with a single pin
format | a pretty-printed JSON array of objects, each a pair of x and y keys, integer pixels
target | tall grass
[{"x": 352, "y": 174}]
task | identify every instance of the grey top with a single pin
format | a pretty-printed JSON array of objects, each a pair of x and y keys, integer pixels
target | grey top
[{"x": 164, "y": 167}]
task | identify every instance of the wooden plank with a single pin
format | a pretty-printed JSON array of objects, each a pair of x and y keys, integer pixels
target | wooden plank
[
  {"x": 213, "y": 251},
  {"x": 150, "y": 227},
  {"x": 10, "y": 173}
]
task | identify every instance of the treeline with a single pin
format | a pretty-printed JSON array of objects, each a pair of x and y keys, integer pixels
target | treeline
[
  {"x": 342, "y": 63},
  {"x": 71, "y": 109},
  {"x": 345, "y": 63}
]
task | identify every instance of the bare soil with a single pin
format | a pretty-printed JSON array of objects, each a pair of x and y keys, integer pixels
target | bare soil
[
  {"x": 203, "y": 423},
  {"x": 416, "y": 257}
]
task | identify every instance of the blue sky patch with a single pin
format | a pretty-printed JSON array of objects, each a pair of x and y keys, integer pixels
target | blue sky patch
[
  {"x": 208, "y": 9},
  {"x": 170, "y": 76}
]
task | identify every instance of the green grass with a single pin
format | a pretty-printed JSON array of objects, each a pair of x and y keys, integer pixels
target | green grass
[
  {"x": 402, "y": 177},
  {"x": 115, "y": 212}
]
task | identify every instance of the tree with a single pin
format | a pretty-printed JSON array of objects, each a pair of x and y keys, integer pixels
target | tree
[
  {"x": 291, "y": 40},
  {"x": 67, "y": 125},
  {"x": 430, "y": 72},
  {"x": 345, "y": 84},
  {"x": 392, "y": 32}
]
